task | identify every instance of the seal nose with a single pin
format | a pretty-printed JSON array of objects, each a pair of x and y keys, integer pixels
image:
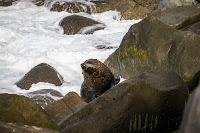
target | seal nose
[{"x": 83, "y": 65}]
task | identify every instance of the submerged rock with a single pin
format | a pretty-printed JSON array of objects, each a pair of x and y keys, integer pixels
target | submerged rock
[
  {"x": 191, "y": 121},
  {"x": 40, "y": 73},
  {"x": 15, "y": 128},
  {"x": 45, "y": 96},
  {"x": 76, "y": 24},
  {"x": 21, "y": 110},
  {"x": 62, "y": 109},
  {"x": 150, "y": 103},
  {"x": 144, "y": 48}
]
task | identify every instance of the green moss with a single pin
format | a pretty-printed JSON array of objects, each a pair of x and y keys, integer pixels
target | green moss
[{"x": 134, "y": 52}]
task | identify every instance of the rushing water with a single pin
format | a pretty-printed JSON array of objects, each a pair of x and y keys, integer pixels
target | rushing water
[{"x": 30, "y": 35}]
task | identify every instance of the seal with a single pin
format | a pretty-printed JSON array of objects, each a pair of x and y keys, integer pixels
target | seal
[{"x": 97, "y": 79}]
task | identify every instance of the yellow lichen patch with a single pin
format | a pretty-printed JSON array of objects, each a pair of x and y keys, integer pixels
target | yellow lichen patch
[{"x": 134, "y": 52}]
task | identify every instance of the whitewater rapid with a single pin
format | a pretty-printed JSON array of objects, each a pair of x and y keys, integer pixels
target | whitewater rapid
[{"x": 30, "y": 35}]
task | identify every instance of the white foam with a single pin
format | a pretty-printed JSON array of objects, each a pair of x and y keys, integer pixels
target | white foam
[{"x": 31, "y": 35}]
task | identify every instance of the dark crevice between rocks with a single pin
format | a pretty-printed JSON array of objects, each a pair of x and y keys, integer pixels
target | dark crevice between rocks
[
  {"x": 189, "y": 22},
  {"x": 194, "y": 82}
]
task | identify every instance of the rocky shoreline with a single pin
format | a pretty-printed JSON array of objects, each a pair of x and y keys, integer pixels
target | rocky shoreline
[{"x": 159, "y": 58}]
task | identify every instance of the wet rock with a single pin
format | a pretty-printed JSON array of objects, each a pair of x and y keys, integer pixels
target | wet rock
[
  {"x": 104, "y": 47},
  {"x": 174, "y": 3},
  {"x": 21, "y": 110},
  {"x": 62, "y": 109},
  {"x": 45, "y": 96},
  {"x": 150, "y": 103},
  {"x": 191, "y": 121},
  {"x": 6, "y": 2},
  {"x": 76, "y": 24},
  {"x": 40, "y": 73},
  {"x": 145, "y": 49},
  {"x": 14, "y": 128},
  {"x": 73, "y": 7}
]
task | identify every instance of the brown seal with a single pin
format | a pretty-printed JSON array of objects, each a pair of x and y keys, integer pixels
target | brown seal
[{"x": 97, "y": 79}]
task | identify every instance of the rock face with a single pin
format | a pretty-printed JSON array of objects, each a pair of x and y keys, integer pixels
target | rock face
[
  {"x": 97, "y": 79},
  {"x": 144, "y": 48},
  {"x": 151, "y": 103},
  {"x": 76, "y": 24},
  {"x": 21, "y": 110},
  {"x": 45, "y": 96},
  {"x": 40, "y": 73},
  {"x": 174, "y": 3},
  {"x": 14, "y": 128},
  {"x": 178, "y": 17},
  {"x": 62, "y": 109},
  {"x": 191, "y": 122}
]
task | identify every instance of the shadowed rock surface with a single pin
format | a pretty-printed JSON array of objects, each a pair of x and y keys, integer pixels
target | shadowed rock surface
[
  {"x": 150, "y": 103},
  {"x": 155, "y": 44},
  {"x": 14, "y": 128},
  {"x": 40, "y": 73},
  {"x": 75, "y": 24},
  {"x": 194, "y": 28},
  {"x": 191, "y": 121},
  {"x": 62, "y": 109},
  {"x": 175, "y": 3},
  {"x": 45, "y": 96},
  {"x": 21, "y": 110}
]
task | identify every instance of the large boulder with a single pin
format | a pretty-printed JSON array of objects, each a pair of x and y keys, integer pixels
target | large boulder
[
  {"x": 149, "y": 103},
  {"x": 40, "y": 73},
  {"x": 67, "y": 106},
  {"x": 21, "y": 110},
  {"x": 45, "y": 96},
  {"x": 158, "y": 43},
  {"x": 76, "y": 24},
  {"x": 191, "y": 121},
  {"x": 15, "y": 128}
]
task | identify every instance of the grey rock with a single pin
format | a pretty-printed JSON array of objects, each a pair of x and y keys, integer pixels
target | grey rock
[{"x": 40, "y": 73}]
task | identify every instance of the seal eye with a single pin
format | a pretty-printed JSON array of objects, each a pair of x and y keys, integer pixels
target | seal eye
[
  {"x": 96, "y": 73},
  {"x": 90, "y": 70}
]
